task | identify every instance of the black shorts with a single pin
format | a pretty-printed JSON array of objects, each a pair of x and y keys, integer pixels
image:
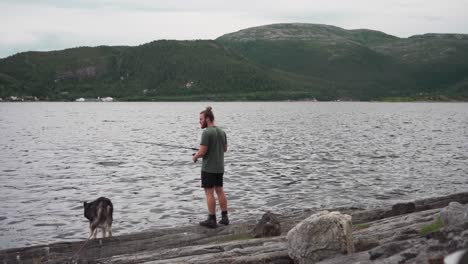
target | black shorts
[{"x": 210, "y": 180}]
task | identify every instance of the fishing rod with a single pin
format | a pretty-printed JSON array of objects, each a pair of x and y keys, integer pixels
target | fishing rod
[{"x": 165, "y": 145}]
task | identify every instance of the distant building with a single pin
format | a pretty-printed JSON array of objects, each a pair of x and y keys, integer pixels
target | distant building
[
  {"x": 99, "y": 99},
  {"x": 107, "y": 99},
  {"x": 30, "y": 98},
  {"x": 189, "y": 85}
]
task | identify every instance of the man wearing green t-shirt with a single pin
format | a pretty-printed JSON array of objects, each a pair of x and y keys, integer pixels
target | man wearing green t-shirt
[{"x": 212, "y": 147}]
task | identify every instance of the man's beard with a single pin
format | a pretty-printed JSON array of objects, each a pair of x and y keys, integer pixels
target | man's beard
[{"x": 204, "y": 125}]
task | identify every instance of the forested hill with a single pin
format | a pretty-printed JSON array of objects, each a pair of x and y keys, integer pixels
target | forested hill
[
  {"x": 157, "y": 70},
  {"x": 273, "y": 62},
  {"x": 361, "y": 64}
]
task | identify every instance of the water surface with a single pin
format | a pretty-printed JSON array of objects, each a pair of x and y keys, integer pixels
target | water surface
[{"x": 282, "y": 156}]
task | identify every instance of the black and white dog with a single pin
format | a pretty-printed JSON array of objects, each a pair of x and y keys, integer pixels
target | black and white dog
[{"x": 99, "y": 213}]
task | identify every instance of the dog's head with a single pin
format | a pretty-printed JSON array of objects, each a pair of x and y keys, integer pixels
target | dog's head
[{"x": 87, "y": 210}]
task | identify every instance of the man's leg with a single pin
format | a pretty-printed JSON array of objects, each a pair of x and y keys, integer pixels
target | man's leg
[
  {"x": 221, "y": 198},
  {"x": 223, "y": 204},
  {"x": 211, "y": 204},
  {"x": 210, "y": 200}
]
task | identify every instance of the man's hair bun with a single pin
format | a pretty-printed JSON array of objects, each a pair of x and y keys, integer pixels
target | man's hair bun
[{"x": 208, "y": 113}]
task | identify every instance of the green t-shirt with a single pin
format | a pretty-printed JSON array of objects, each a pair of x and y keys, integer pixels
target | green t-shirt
[{"x": 214, "y": 138}]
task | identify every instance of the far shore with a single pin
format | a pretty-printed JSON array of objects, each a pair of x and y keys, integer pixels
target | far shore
[{"x": 175, "y": 100}]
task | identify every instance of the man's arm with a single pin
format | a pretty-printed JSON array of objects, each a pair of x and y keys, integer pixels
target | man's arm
[
  {"x": 225, "y": 147},
  {"x": 200, "y": 153}
]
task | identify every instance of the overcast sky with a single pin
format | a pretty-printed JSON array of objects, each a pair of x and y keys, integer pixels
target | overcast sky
[{"x": 58, "y": 24}]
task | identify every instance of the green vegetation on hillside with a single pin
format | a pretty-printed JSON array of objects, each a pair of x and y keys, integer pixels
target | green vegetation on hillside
[
  {"x": 274, "y": 62},
  {"x": 362, "y": 64},
  {"x": 160, "y": 69}
]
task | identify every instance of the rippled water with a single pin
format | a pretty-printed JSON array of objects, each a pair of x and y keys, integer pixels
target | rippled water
[{"x": 282, "y": 156}]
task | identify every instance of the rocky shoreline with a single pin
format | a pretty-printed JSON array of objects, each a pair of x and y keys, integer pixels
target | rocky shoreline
[{"x": 387, "y": 235}]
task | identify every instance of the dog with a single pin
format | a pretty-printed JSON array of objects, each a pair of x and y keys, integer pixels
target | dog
[{"x": 99, "y": 213}]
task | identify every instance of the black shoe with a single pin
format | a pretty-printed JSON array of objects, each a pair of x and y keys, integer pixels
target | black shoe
[
  {"x": 224, "y": 219},
  {"x": 210, "y": 222}
]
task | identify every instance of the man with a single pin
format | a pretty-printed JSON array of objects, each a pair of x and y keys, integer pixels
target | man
[{"x": 212, "y": 147}]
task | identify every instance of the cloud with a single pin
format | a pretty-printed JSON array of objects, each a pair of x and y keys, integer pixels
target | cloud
[
  {"x": 31, "y": 26},
  {"x": 53, "y": 24}
]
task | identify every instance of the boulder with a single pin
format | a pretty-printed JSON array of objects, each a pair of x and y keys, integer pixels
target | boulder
[
  {"x": 454, "y": 214},
  {"x": 458, "y": 257},
  {"x": 268, "y": 226},
  {"x": 320, "y": 236}
]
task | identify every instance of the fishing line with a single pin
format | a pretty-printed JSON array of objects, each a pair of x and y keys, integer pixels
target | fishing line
[{"x": 165, "y": 145}]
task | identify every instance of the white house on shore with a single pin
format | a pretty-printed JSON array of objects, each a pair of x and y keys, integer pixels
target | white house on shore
[
  {"x": 107, "y": 99},
  {"x": 99, "y": 99}
]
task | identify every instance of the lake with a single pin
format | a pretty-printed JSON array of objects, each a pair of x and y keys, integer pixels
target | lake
[{"x": 282, "y": 156}]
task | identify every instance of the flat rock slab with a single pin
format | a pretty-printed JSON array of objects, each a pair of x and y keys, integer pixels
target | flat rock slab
[{"x": 234, "y": 243}]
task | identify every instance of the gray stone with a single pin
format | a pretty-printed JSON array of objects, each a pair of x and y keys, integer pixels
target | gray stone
[
  {"x": 368, "y": 215},
  {"x": 388, "y": 250},
  {"x": 365, "y": 243},
  {"x": 398, "y": 227},
  {"x": 454, "y": 214},
  {"x": 441, "y": 202},
  {"x": 400, "y": 209},
  {"x": 403, "y": 208},
  {"x": 268, "y": 226},
  {"x": 232, "y": 244},
  {"x": 320, "y": 236}
]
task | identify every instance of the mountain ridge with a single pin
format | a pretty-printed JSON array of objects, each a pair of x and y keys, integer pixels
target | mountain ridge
[{"x": 286, "y": 61}]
